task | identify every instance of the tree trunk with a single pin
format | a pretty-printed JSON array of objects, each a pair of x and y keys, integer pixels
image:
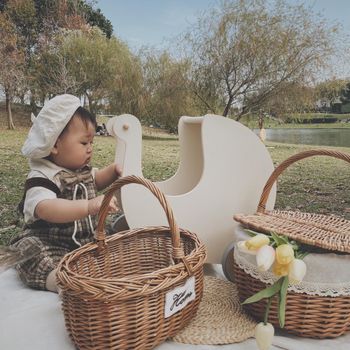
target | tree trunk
[
  {"x": 262, "y": 132},
  {"x": 89, "y": 102},
  {"x": 84, "y": 103},
  {"x": 33, "y": 106},
  {"x": 10, "y": 124},
  {"x": 261, "y": 120},
  {"x": 228, "y": 106}
]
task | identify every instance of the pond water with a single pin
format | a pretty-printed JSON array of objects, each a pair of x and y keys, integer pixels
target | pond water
[{"x": 319, "y": 137}]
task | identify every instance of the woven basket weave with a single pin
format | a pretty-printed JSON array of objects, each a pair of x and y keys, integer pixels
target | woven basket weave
[
  {"x": 306, "y": 315},
  {"x": 113, "y": 291}
]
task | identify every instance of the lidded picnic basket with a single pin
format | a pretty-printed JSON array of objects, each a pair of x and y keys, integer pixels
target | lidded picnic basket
[
  {"x": 134, "y": 289},
  {"x": 310, "y": 312}
]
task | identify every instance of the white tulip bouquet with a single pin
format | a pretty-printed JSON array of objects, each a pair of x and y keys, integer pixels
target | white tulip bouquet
[{"x": 284, "y": 256}]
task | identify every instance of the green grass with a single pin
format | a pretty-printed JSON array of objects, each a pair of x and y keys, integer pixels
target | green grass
[
  {"x": 251, "y": 121},
  {"x": 272, "y": 124},
  {"x": 298, "y": 116},
  {"x": 318, "y": 184},
  {"x": 20, "y": 115},
  {"x": 308, "y": 126}
]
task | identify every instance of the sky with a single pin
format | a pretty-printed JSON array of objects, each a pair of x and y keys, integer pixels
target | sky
[
  {"x": 156, "y": 22},
  {"x": 152, "y": 22}
]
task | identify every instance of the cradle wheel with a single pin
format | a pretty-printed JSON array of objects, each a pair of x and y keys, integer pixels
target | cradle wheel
[{"x": 227, "y": 262}]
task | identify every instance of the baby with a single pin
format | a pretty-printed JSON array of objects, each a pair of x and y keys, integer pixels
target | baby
[{"x": 60, "y": 199}]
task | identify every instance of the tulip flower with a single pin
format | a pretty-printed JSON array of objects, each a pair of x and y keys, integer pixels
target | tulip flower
[
  {"x": 297, "y": 271},
  {"x": 257, "y": 242},
  {"x": 280, "y": 270},
  {"x": 284, "y": 254},
  {"x": 265, "y": 257},
  {"x": 242, "y": 247},
  {"x": 264, "y": 335}
]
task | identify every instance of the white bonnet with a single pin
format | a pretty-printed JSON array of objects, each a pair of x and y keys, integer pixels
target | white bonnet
[{"x": 48, "y": 125}]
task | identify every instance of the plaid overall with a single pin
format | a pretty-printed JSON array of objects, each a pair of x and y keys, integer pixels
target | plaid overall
[{"x": 55, "y": 240}]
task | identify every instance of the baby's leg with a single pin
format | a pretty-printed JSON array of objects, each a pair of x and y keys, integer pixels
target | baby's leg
[
  {"x": 51, "y": 284},
  {"x": 40, "y": 271}
]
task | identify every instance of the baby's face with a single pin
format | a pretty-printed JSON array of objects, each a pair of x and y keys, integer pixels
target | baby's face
[{"x": 73, "y": 148}]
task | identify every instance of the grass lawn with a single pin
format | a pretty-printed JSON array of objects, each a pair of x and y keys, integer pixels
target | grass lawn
[
  {"x": 342, "y": 122},
  {"x": 319, "y": 184},
  {"x": 272, "y": 124},
  {"x": 301, "y": 116},
  {"x": 309, "y": 126}
]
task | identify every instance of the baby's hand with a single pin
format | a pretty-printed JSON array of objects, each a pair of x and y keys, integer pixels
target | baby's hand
[
  {"x": 94, "y": 205},
  {"x": 118, "y": 170}
]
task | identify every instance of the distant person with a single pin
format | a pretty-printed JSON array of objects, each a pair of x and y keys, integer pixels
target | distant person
[
  {"x": 60, "y": 200},
  {"x": 105, "y": 132},
  {"x": 101, "y": 130}
]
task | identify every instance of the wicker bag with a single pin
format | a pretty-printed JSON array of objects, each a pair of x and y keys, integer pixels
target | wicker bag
[
  {"x": 306, "y": 315},
  {"x": 115, "y": 291}
]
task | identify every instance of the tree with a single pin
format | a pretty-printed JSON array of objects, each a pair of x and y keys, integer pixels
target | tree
[
  {"x": 35, "y": 17},
  {"x": 290, "y": 98},
  {"x": 86, "y": 63},
  {"x": 99, "y": 63},
  {"x": 345, "y": 93},
  {"x": 12, "y": 59},
  {"x": 37, "y": 22},
  {"x": 330, "y": 90},
  {"x": 125, "y": 93},
  {"x": 96, "y": 18},
  {"x": 70, "y": 14},
  {"x": 244, "y": 51},
  {"x": 49, "y": 70},
  {"x": 22, "y": 13},
  {"x": 165, "y": 93}
]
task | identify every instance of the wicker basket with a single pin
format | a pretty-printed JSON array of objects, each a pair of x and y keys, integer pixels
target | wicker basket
[
  {"x": 306, "y": 315},
  {"x": 114, "y": 291}
]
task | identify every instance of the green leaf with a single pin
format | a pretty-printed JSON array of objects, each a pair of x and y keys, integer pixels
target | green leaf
[
  {"x": 301, "y": 255},
  {"x": 282, "y": 301},
  {"x": 284, "y": 239},
  {"x": 279, "y": 240},
  {"x": 265, "y": 293},
  {"x": 267, "y": 310},
  {"x": 295, "y": 246},
  {"x": 251, "y": 233}
]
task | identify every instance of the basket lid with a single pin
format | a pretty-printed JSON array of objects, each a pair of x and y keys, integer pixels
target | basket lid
[{"x": 324, "y": 231}]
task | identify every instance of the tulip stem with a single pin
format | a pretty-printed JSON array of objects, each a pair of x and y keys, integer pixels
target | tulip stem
[{"x": 267, "y": 310}]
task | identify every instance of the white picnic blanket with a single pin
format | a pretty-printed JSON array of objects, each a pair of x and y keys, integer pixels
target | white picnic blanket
[{"x": 33, "y": 320}]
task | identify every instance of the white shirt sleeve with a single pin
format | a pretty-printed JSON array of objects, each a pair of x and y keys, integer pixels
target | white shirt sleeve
[
  {"x": 46, "y": 169},
  {"x": 93, "y": 172},
  {"x": 33, "y": 197}
]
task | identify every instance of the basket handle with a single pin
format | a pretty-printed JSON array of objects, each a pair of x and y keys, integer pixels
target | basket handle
[
  {"x": 285, "y": 164},
  {"x": 100, "y": 235}
]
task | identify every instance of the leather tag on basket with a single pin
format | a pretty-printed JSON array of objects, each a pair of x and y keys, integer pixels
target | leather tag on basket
[{"x": 177, "y": 298}]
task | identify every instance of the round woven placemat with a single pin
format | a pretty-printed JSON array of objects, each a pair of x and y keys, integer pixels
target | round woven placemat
[{"x": 220, "y": 318}]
